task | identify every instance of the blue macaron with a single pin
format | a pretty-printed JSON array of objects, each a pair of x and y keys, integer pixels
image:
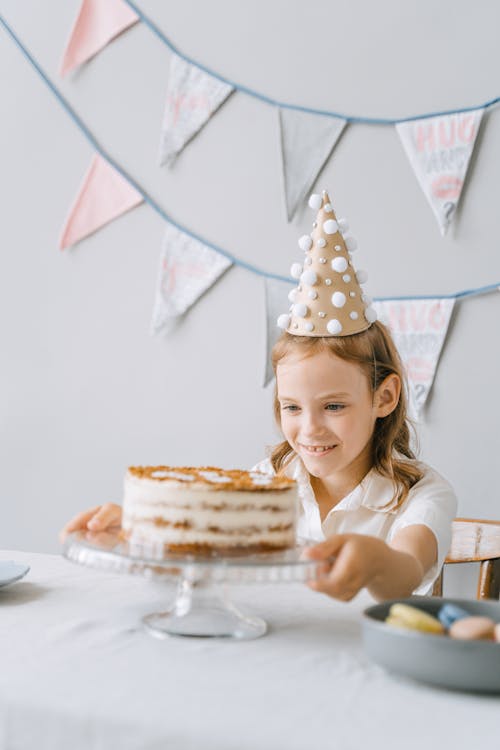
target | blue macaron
[{"x": 449, "y": 613}]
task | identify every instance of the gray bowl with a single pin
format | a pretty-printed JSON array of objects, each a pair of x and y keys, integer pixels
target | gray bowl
[{"x": 435, "y": 659}]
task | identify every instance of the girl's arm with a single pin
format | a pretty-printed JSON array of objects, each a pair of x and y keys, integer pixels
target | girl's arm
[{"x": 388, "y": 571}]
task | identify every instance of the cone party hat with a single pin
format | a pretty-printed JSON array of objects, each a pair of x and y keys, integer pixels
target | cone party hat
[{"x": 328, "y": 300}]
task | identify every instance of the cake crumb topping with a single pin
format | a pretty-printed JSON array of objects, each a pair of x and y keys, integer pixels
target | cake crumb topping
[{"x": 213, "y": 477}]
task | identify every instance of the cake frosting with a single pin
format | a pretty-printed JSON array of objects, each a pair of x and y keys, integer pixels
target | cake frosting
[{"x": 207, "y": 509}]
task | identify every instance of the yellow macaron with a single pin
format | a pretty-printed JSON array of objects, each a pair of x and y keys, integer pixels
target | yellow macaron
[{"x": 411, "y": 618}]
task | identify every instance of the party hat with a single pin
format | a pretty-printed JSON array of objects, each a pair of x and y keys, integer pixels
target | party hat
[{"x": 328, "y": 300}]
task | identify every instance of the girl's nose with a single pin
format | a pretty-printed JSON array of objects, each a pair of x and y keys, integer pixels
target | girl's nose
[{"x": 313, "y": 425}]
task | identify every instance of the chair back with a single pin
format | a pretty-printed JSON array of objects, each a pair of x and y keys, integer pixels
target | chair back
[{"x": 476, "y": 540}]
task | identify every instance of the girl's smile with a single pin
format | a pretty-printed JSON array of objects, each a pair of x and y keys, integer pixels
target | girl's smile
[{"x": 317, "y": 449}]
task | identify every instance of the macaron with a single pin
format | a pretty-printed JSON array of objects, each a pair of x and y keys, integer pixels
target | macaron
[
  {"x": 475, "y": 628},
  {"x": 451, "y": 612},
  {"x": 411, "y": 618}
]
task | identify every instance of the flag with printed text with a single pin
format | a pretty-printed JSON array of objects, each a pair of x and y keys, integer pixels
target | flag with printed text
[
  {"x": 192, "y": 98},
  {"x": 439, "y": 150},
  {"x": 419, "y": 328},
  {"x": 188, "y": 268}
]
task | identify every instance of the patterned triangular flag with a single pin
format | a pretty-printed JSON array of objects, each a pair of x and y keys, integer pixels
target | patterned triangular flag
[
  {"x": 439, "y": 150},
  {"x": 419, "y": 328},
  {"x": 98, "y": 22},
  {"x": 187, "y": 269},
  {"x": 192, "y": 98},
  {"x": 276, "y": 295},
  {"x": 103, "y": 196},
  {"x": 307, "y": 141}
]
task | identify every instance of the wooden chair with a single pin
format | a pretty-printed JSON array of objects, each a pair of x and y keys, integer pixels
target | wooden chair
[{"x": 475, "y": 540}]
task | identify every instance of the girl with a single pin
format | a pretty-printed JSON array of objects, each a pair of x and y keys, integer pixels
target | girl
[
  {"x": 385, "y": 518},
  {"x": 382, "y": 519}
]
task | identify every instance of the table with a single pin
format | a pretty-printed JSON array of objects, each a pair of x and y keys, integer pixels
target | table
[{"x": 78, "y": 671}]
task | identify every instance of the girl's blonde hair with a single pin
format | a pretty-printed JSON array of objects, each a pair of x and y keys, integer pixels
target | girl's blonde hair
[{"x": 375, "y": 353}]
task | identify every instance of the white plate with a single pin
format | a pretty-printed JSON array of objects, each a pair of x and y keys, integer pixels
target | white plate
[{"x": 11, "y": 571}]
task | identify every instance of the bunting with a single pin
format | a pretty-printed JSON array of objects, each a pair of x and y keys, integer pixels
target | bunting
[
  {"x": 192, "y": 98},
  {"x": 439, "y": 150},
  {"x": 307, "y": 140},
  {"x": 419, "y": 328},
  {"x": 96, "y": 25},
  {"x": 438, "y": 146},
  {"x": 103, "y": 196},
  {"x": 188, "y": 268}
]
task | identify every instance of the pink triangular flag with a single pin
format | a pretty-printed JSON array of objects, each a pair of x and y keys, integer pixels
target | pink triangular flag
[
  {"x": 104, "y": 196},
  {"x": 98, "y": 22}
]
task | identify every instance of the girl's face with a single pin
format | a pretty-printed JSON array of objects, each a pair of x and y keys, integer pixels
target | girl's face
[{"x": 328, "y": 413}]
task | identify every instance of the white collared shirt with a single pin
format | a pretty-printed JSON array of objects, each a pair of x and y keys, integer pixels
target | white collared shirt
[{"x": 370, "y": 509}]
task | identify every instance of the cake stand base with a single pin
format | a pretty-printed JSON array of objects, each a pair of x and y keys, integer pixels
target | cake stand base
[{"x": 202, "y": 609}]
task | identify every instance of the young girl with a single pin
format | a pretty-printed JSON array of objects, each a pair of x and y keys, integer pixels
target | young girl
[
  {"x": 382, "y": 519},
  {"x": 385, "y": 517}
]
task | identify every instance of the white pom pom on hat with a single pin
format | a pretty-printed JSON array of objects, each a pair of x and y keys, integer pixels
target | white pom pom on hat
[
  {"x": 362, "y": 276},
  {"x": 340, "y": 264},
  {"x": 309, "y": 277},
  {"x": 300, "y": 310},
  {"x": 334, "y": 327},
  {"x": 305, "y": 242},
  {"x": 315, "y": 201},
  {"x": 283, "y": 321},
  {"x": 331, "y": 227},
  {"x": 338, "y": 299}
]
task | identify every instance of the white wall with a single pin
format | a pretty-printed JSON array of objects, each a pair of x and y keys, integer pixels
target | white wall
[{"x": 84, "y": 389}]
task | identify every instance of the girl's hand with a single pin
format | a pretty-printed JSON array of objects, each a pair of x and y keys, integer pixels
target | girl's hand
[
  {"x": 101, "y": 518},
  {"x": 387, "y": 571},
  {"x": 359, "y": 560}
]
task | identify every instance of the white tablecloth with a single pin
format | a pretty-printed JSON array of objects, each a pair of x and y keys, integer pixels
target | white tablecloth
[{"x": 78, "y": 671}]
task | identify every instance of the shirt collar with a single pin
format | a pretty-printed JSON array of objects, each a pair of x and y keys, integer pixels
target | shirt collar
[{"x": 374, "y": 492}]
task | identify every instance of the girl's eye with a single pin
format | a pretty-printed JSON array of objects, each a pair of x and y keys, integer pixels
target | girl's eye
[
  {"x": 334, "y": 407},
  {"x": 290, "y": 407}
]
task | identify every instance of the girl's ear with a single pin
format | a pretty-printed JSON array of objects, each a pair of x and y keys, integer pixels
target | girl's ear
[{"x": 387, "y": 395}]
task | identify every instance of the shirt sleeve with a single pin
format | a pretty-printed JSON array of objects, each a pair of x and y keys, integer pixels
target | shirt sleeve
[
  {"x": 265, "y": 466},
  {"x": 431, "y": 502}
]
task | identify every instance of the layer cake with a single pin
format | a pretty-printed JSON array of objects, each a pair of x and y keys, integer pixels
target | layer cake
[{"x": 207, "y": 509}]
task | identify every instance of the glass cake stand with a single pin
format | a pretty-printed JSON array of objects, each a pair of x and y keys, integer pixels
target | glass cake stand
[{"x": 201, "y": 607}]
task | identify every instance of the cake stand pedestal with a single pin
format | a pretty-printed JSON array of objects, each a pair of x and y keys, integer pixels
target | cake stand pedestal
[{"x": 202, "y": 607}]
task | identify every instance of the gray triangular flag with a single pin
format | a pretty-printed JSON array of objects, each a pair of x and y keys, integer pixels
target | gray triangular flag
[
  {"x": 276, "y": 302},
  {"x": 192, "y": 98},
  {"x": 419, "y": 328},
  {"x": 187, "y": 269},
  {"x": 307, "y": 141},
  {"x": 439, "y": 150}
]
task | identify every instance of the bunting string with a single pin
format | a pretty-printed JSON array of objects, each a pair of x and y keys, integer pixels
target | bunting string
[
  {"x": 160, "y": 211},
  {"x": 297, "y": 107}
]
